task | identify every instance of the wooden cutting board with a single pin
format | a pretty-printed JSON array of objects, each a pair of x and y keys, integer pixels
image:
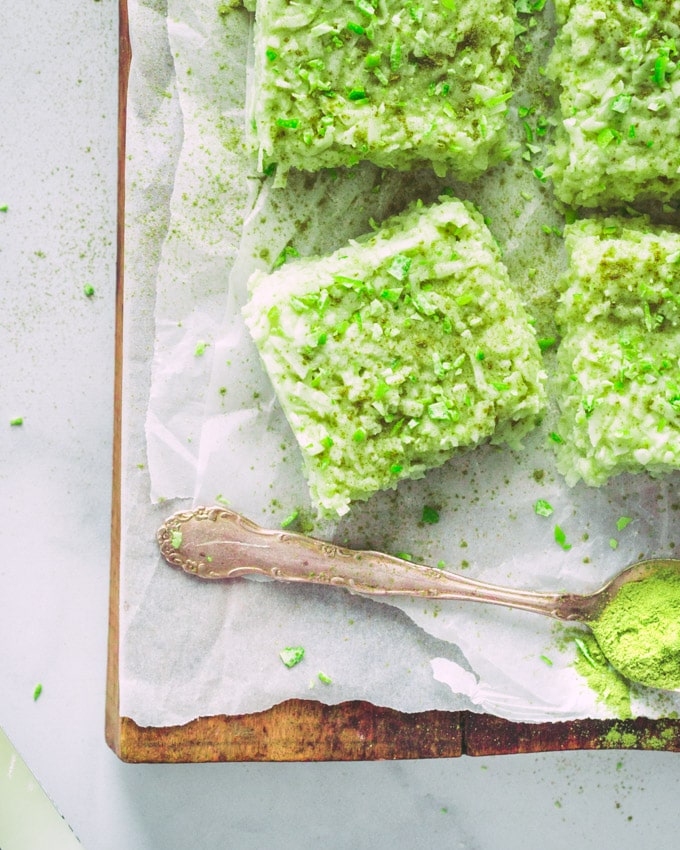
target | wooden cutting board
[{"x": 305, "y": 730}]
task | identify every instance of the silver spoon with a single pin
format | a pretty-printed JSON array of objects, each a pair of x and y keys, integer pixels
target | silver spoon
[{"x": 218, "y": 543}]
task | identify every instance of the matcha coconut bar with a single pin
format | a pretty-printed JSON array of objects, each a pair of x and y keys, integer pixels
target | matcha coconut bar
[
  {"x": 396, "y": 350},
  {"x": 396, "y": 84},
  {"x": 619, "y": 367},
  {"x": 616, "y": 62}
]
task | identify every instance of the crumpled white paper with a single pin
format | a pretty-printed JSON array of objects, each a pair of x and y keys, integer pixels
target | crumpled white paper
[{"x": 213, "y": 431}]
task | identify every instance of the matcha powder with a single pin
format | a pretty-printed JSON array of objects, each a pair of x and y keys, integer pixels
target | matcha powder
[
  {"x": 639, "y": 630},
  {"x": 609, "y": 686}
]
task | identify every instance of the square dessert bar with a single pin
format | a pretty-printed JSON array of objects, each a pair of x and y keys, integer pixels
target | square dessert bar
[
  {"x": 398, "y": 84},
  {"x": 396, "y": 350},
  {"x": 616, "y": 62},
  {"x": 619, "y": 359}
]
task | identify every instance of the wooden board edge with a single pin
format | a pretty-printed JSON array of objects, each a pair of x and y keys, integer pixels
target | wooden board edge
[
  {"x": 112, "y": 713},
  {"x": 485, "y": 735},
  {"x": 299, "y": 731}
]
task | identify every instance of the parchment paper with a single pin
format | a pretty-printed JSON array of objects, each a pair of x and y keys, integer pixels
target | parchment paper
[{"x": 199, "y": 221}]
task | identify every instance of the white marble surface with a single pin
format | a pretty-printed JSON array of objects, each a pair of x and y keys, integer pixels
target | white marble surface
[{"x": 58, "y": 65}]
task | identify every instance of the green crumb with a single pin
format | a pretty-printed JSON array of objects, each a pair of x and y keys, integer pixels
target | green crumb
[
  {"x": 430, "y": 515},
  {"x": 222, "y": 391},
  {"x": 4, "y": 208},
  {"x": 561, "y": 538},
  {"x": 201, "y": 346},
  {"x": 324, "y": 678},
  {"x": 175, "y": 539},
  {"x": 88, "y": 290},
  {"x": 543, "y": 508},
  {"x": 546, "y": 660},
  {"x": 18, "y": 420},
  {"x": 622, "y": 522},
  {"x": 292, "y": 655},
  {"x": 613, "y": 543},
  {"x": 288, "y": 251},
  {"x": 290, "y": 519},
  {"x": 405, "y": 556},
  {"x": 37, "y": 691}
]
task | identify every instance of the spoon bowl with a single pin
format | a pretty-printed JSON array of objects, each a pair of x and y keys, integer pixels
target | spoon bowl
[{"x": 218, "y": 543}]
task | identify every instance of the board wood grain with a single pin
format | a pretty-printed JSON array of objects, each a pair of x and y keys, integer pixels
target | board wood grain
[{"x": 305, "y": 730}]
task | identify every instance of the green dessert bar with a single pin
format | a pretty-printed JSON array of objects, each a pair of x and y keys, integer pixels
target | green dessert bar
[
  {"x": 395, "y": 84},
  {"x": 396, "y": 350},
  {"x": 618, "y": 362},
  {"x": 616, "y": 62}
]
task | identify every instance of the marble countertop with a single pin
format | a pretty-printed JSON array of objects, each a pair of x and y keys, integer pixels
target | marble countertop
[{"x": 58, "y": 88}]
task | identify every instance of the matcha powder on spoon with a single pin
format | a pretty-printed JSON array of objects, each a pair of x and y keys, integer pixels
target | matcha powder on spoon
[{"x": 639, "y": 630}]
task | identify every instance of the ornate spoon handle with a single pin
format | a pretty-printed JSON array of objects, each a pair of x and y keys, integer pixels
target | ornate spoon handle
[{"x": 217, "y": 543}]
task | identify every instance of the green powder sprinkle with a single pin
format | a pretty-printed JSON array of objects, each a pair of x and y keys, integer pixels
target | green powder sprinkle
[
  {"x": 175, "y": 539},
  {"x": 18, "y": 420},
  {"x": 324, "y": 678},
  {"x": 622, "y": 522},
  {"x": 621, "y": 736},
  {"x": 37, "y": 691},
  {"x": 609, "y": 686},
  {"x": 88, "y": 289}
]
